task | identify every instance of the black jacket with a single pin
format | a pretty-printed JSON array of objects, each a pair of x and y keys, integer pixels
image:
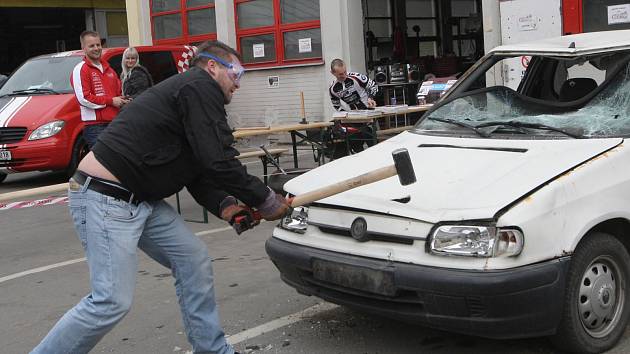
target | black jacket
[
  {"x": 176, "y": 134},
  {"x": 138, "y": 80}
]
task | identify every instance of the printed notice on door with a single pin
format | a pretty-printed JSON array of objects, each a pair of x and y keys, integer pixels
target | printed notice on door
[
  {"x": 305, "y": 45},
  {"x": 618, "y": 14},
  {"x": 259, "y": 50}
]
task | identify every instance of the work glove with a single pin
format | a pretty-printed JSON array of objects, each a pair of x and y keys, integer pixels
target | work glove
[
  {"x": 274, "y": 207},
  {"x": 241, "y": 217},
  {"x": 230, "y": 209}
]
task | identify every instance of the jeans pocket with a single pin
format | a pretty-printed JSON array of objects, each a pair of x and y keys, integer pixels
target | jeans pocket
[
  {"x": 120, "y": 210},
  {"x": 78, "y": 214}
]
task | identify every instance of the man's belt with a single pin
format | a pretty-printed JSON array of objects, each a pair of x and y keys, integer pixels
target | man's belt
[{"x": 108, "y": 188}]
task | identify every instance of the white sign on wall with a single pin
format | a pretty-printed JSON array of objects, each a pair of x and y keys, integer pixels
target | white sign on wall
[
  {"x": 527, "y": 23},
  {"x": 305, "y": 45},
  {"x": 619, "y": 14},
  {"x": 524, "y": 21},
  {"x": 259, "y": 50}
]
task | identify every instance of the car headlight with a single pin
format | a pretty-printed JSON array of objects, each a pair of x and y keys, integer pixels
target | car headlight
[
  {"x": 476, "y": 241},
  {"x": 297, "y": 221},
  {"x": 47, "y": 130}
]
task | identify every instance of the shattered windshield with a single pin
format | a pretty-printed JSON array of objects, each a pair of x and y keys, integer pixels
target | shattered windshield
[
  {"x": 601, "y": 109},
  {"x": 42, "y": 75}
]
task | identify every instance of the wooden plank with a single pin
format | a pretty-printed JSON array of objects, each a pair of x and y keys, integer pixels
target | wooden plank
[
  {"x": 272, "y": 152},
  {"x": 280, "y": 129},
  {"x": 393, "y": 130}
]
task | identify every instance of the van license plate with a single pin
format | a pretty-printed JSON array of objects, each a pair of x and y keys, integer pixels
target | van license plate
[
  {"x": 5, "y": 155},
  {"x": 359, "y": 278}
]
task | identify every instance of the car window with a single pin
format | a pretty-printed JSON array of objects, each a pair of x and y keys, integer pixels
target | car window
[
  {"x": 586, "y": 96},
  {"x": 160, "y": 64},
  {"x": 42, "y": 73},
  {"x": 116, "y": 64}
]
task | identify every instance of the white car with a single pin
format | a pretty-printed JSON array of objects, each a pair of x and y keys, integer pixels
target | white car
[{"x": 519, "y": 223}]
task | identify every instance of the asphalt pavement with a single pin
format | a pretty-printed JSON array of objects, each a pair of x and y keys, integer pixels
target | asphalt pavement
[{"x": 43, "y": 274}]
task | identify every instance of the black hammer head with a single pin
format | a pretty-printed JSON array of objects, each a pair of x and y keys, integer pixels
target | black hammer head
[{"x": 403, "y": 165}]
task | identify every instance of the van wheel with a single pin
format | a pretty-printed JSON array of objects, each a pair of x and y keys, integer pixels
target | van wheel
[
  {"x": 79, "y": 150},
  {"x": 3, "y": 176},
  {"x": 596, "y": 302}
]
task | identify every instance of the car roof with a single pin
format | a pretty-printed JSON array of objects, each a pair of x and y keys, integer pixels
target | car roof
[
  {"x": 584, "y": 43},
  {"x": 107, "y": 52}
]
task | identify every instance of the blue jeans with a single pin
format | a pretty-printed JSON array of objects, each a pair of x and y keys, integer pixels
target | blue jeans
[
  {"x": 110, "y": 231},
  {"x": 91, "y": 133}
]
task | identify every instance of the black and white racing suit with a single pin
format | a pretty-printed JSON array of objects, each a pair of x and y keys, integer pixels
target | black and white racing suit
[{"x": 354, "y": 91}]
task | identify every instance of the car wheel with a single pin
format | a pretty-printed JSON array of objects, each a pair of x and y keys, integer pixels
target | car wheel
[
  {"x": 79, "y": 150},
  {"x": 3, "y": 176},
  {"x": 596, "y": 302}
]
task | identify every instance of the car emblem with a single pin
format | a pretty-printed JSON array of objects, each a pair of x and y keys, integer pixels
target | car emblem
[{"x": 358, "y": 230}]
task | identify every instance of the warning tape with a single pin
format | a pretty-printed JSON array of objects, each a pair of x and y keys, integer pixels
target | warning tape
[{"x": 34, "y": 203}]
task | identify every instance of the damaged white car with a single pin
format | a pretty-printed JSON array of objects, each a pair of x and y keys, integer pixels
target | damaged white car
[{"x": 519, "y": 223}]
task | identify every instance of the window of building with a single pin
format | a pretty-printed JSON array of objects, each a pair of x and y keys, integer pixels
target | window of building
[
  {"x": 278, "y": 32},
  {"x": 183, "y": 21}
]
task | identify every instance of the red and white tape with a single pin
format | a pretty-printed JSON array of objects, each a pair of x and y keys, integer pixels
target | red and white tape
[{"x": 33, "y": 203}]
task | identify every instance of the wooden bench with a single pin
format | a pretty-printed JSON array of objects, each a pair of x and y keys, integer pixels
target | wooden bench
[{"x": 275, "y": 154}]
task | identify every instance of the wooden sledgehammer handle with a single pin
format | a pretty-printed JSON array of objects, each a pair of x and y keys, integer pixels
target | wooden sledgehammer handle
[{"x": 354, "y": 182}]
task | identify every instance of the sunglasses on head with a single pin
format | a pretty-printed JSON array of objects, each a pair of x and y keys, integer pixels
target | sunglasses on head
[{"x": 235, "y": 70}]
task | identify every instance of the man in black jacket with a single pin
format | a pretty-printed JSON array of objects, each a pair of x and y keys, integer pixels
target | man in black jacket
[{"x": 174, "y": 135}]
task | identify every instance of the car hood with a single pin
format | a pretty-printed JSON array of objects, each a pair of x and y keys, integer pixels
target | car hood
[
  {"x": 457, "y": 178},
  {"x": 33, "y": 111}
]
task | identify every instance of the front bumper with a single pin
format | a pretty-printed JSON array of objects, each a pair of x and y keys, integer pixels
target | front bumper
[
  {"x": 46, "y": 154},
  {"x": 511, "y": 303}
]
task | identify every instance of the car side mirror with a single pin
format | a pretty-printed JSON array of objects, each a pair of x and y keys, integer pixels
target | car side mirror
[{"x": 3, "y": 79}]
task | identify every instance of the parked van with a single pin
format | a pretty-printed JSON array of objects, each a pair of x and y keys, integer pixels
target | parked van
[
  {"x": 40, "y": 122},
  {"x": 519, "y": 222}
]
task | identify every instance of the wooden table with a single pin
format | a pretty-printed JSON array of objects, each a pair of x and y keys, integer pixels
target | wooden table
[
  {"x": 373, "y": 118},
  {"x": 293, "y": 129}
]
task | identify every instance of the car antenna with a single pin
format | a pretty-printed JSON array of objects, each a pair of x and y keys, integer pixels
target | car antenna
[{"x": 572, "y": 45}]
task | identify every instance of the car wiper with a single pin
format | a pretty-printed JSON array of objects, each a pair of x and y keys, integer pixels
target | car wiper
[
  {"x": 461, "y": 124},
  {"x": 34, "y": 90},
  {"x": 532, "y": 126}
]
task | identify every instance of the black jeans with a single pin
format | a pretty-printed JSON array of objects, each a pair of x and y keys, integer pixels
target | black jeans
[{"x": 91, "y": 133}]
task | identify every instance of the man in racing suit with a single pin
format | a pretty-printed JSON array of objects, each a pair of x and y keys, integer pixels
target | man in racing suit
[{"x": 358, "y": 92}]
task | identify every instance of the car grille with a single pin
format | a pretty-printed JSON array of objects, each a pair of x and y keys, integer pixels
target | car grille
[
  {"x": 372, "y": 236},
  {"x": 11, "y": 134}
]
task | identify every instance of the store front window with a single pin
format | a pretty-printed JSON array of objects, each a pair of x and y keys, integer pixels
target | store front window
[
  {"x": 278, "y": 32},
  {"x": 183, "y": 21}
]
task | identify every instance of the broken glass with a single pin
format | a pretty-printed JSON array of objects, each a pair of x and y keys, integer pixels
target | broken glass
[{"x": 606, "y": 114}]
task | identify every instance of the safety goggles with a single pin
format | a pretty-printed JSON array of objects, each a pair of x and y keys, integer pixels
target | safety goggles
[{"x": 235, "y": 70}]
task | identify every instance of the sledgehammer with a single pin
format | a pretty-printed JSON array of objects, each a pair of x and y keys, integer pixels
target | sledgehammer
[{"x": 402, "y": 167}]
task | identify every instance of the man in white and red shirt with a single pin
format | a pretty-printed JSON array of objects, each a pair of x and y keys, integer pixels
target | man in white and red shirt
[{"x": 97, "y": 88}]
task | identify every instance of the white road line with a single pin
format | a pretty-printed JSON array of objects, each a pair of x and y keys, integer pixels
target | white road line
[
  {"x": 40, "y": 269},
  {"x": 279, "y": 323},
  {"x": 78, "y": 260}
]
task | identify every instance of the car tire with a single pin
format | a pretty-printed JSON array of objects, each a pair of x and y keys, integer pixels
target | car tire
[
  {"x": 3, "y": 176},
  {"x": 79, "y": 150},
  {"x": 596, "y": 304}
]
